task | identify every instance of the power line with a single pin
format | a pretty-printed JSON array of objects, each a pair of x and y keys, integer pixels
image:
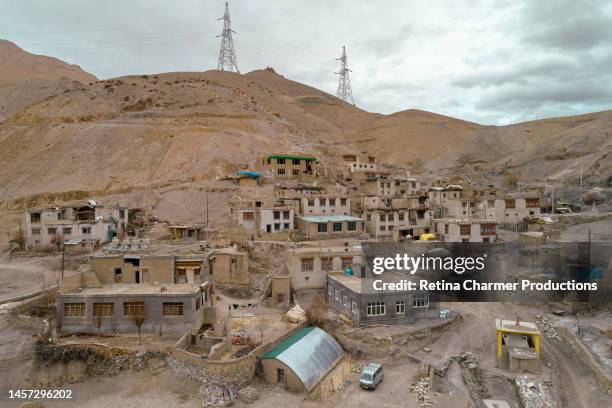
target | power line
[
  {"x": 227, "y": 54},
  {"x": 131, "y": 27}
]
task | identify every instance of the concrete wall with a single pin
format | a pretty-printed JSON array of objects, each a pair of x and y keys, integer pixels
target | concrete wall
[
  {"x": 322, "y": 205},
  {"x": 317, "y": 277},
  {"x": 231, "y": 268}
]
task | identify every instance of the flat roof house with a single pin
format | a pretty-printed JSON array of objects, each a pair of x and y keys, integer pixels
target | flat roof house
[
  {"x": 289, "y": 166},
  {"x": 117, "y": 308},
  {"x": 355, "y": 297},
  {"x": 315, "y": 227},
  {"x": 89, "y": 222}
]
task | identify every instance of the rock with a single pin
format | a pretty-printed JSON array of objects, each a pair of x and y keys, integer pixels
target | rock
[{"x": 248, "y": 395}]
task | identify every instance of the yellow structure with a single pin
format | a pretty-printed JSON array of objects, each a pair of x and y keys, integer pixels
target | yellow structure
[{"x": 528, "y": 330}]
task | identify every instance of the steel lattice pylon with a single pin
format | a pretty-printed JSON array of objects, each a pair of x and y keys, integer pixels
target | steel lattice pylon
[
  {"x": 227, "y": 54},
  {"x": 344, "y": 82}
]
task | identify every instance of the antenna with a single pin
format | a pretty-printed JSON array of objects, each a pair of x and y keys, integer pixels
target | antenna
[
  {"x": 344, "y": 82},
  {"x": 227, "y": 54}
]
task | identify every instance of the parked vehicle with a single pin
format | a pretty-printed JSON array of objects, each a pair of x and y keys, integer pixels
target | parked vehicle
[{"x": 371, "y": 376}]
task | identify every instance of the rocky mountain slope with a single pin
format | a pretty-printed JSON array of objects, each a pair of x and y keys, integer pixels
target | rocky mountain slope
[
  {"x": 26, "y": 78},
  {"x": 138, "y": 132}
]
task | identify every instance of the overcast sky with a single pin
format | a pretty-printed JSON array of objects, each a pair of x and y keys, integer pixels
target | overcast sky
[{"x": 494, "y": 62}]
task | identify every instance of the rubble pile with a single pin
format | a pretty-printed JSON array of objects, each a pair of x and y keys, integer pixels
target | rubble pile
[
  {"x": 548, "y": 328},
  {"x": 532, "y": 393},
  {"x": 441, "y": 369},
  {"x": 472, "y": 376},
  {"x": 421, "y": 387},
  {"x": 217, "y": 390}
]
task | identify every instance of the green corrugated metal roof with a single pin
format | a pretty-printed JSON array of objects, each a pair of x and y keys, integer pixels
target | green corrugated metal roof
[
  {"x": 288, "y": 156},
  {"x": 285, "y": 344}
]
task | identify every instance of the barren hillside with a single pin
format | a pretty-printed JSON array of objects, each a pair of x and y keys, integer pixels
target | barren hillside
[
  {"x": 130, "y": 133},
  {"x": 26, "y": 78}
]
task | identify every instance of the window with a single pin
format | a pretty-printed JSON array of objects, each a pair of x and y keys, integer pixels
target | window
[
  {"x": 464, "y": 229},
  {"x": 276, "y": 215},
  {"x": 35, "y": 231},
  {"x": 330, "y": 291},
  {"x": 391, "y": 217},
  {"x": 352, "y": 225},
  {"x": 510, "y": 204},
  {"x": 337, "y": 227},
  {"x": 332, "y": 202},
  {"x": 121, "y": 213},
  {"x": 487, "y": 229},
  {"x": 532, "y": 203},
  {"x": 322, "y": 227},
  {"x": 400, "y": 307},
  {"x": 369, "y": 217},
  {"x": 383, "y": 228},
  {"x": 248, "y": 216},
  {"x": 419, "y": 301},
  {"x": 490, "y": 203},
  {"x": 307, "y": 264},
  {"x": 286, "y": 225},
  {"x": 277, "y": 226},
  {"x": 327, "y": 263},
  {"x": 51, "y": 230},
  {"x": 337, "y": 294},
  {"x": 133, "y": 309},
  {"x": 35, "y": 218},
  {"x": 295, "y": 172},
  {"x": 281, "y": 171},
  {"x": 446, "y": 228},
  {"x": 67, "y": 231},
  {"x": 103, "y": 309},
  {"x": 286, "y": 215},
  {"x": 376, "y": 309},
  {"x": 311, "y": 203},
  {"x": 86, "y": 230},
  {"x": 343, "y": 202},
  {"x": 74, "y": 309},
  {"x": 400, "y": 216},
  {"x": 383, "y": 217},
  {"x": 345, "y": 300},
  {"x": 280, "y": 160},
  {"x": 173, "y": 309},
  {"x": 347, "y": 262},
  {"x": 296, "y": 162},
  {"x": 354, "y": 306}
]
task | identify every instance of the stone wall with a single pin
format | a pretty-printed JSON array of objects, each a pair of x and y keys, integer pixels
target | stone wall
[{"x": 585, "y": 355}]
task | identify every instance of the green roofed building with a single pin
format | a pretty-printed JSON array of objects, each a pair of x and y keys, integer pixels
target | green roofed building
[
  {"x": 310, "y": 360},
  {"x": 289, "y": 166}
]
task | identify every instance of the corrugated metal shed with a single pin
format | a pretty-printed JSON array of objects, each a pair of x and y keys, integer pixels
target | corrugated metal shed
[{"x": 310, "y": 353}]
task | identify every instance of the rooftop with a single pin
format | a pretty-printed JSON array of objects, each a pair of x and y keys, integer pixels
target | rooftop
[
  {"x": 350, "y": 281},
  {"x": 141, "y": 289},
  {"x": 510, "y": 326},
  {"x": 310, "y": 353},
  {"x": 329, "y": 218},
  {"x": 291, "y": 157}
]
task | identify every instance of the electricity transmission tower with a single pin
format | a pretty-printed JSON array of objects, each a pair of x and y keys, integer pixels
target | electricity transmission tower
[
  {"x": 344, "y": 83},
  {"x": 227, "y": 55}
]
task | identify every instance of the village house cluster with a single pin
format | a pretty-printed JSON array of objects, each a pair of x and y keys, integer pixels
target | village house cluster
[{"x": 319, "y": 212}]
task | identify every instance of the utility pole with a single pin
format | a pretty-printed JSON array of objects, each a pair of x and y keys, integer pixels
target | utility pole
[
  {"x": 344, "y": 82},
  {"x": 227, "y": 54},
  {"x": 207, "y": 217}
]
